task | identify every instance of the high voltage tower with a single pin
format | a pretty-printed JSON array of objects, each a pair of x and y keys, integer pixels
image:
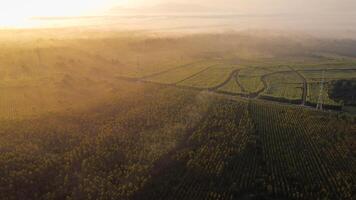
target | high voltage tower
[
  {"x": 319, "y": 106},
  {"x": 139, "y": 69},
  {"x": 39, "y": 54},
  {"x": 38, "y": 57}
]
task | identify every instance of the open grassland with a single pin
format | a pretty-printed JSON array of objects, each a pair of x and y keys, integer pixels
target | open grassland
[
  {"x": 286, "y": 85},
  {"x": 210, "y": 78},
  {"x": 329, "y": 75},
  {"x": 232, "y": 87},
  {"x": 182, "y": 73},
  {"x": 323, "y": 64},
  {"x": 251, "y": 84},
  {"x": 251, "y": 78},
  {"x": 287, "y": 91}
]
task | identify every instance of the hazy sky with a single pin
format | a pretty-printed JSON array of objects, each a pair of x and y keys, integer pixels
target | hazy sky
[
  {"x": 15, "y": 12},
  {"x": 20, "y": 8},
  {"x": 259, "y": 6}
]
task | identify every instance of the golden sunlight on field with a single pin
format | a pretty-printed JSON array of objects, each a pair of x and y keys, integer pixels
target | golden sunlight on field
[{"x": 177, "y": 99}]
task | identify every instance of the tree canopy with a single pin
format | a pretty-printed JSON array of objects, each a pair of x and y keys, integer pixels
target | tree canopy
[{"x": 343, "y": 91}]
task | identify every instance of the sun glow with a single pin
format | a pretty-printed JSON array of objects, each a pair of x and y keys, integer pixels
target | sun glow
[{"x": 17, "y": 13}]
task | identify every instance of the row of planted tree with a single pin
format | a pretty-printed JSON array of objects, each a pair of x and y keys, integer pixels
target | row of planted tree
[{"x": 175, "y": 144}]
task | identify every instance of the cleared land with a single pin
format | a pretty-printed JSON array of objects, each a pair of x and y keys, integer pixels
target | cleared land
[
  {"x": 210, "y": 78},
  {"x": 182, "y": 73},
  {"x": 287, "y": 85},
  {"x": 251, "y": 79},
  {"x": 232, "y": 86}
]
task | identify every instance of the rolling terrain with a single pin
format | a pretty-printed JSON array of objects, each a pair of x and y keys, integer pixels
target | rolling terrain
[{"x": 105, "y": 115}]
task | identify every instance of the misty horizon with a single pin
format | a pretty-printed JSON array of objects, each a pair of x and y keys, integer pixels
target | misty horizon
[
  {"x": 320, "y": 26},
  {"x": 328, "y": 18},
  {"x": 177, "y": 99}
]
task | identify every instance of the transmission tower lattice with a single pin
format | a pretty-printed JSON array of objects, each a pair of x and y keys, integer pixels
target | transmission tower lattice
[{"x": 319, "y": 106}]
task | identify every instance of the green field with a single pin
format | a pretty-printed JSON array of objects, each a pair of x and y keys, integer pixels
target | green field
[
  {"x": 231, "y": 87},
  {"x": 329, "y": 75},
  {"x": 251, "y": 84},
  {"x": 250, "y": 79},
  {"x": 182, "y": 73},
  {"x": 284, "y": 85},
  {"x": 323, "y": 64},
  {"x": 210, "y": 78}
]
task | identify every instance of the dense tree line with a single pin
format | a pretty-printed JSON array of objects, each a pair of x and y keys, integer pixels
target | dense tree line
[
  {"x": 259, "y": 150},
  {"x": 343, "y": 91},
  {"x": 176, "y": 144},
  {"x": 105, "y": 153}
]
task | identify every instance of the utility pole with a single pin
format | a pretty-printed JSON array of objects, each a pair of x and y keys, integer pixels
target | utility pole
[
  {"x": 38, "y": 57},
  {"x": 138, "y": 64},
  {"x": 38, "y": 69},
  {"x": 319, "y": 106}
]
